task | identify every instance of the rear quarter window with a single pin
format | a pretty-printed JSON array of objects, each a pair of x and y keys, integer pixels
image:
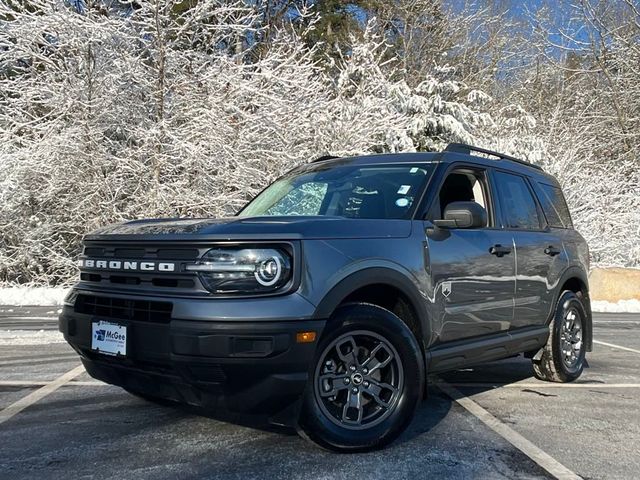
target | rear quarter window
[{"x": 553, "y": 205}]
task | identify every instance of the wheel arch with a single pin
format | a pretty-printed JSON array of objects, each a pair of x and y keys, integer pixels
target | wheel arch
[
  {"x": 377, "y": 285},
  {"x": 576, "y": 280}
]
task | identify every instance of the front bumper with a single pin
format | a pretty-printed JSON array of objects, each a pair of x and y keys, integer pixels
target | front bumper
[{"x": 253, "y": 367}]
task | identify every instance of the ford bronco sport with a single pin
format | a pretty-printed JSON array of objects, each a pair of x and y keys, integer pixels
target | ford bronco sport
[{"x": 329, "y": 297}]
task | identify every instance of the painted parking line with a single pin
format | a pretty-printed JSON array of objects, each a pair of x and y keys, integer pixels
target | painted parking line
[
  {"x": 616, "y": 346},
  {"x": 40, "y": 360},
  {"x": 17, "y": 318},
  {"x": 96, "y": 383},
  {"x": 608, "y": 322},
  {"x": 536, "y": 454},
  {"x": 39, "y": 356},
  {"x": 543, "y": 385},
  {"x": 39, "y": 394},
  {"x": 42, "y": 383}
]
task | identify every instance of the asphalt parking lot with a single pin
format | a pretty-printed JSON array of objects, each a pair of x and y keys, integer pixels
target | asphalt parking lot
[{"x": 55, "y": 424}]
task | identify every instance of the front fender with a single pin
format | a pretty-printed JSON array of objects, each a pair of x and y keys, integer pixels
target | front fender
[{"x": 375, "y": 276}]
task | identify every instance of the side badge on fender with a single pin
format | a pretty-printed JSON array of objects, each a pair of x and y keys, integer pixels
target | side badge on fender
[{"x": 446, "y": 288}]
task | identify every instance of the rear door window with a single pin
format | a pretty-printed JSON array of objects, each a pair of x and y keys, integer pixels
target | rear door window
[{"x": 519, "y": 209}]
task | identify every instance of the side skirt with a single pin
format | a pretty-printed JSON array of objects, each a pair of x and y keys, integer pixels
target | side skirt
[{"x": 471, "y": 351}]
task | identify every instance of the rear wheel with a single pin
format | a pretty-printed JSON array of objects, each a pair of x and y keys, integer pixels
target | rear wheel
[
  {"x": 562, "y": 358},
  {"x": 366, "y": 381}
]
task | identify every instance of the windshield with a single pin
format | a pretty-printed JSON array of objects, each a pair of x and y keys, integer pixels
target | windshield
[{"x": 363, "y": 191}]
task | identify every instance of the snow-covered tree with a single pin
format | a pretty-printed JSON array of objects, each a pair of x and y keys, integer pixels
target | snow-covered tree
[{"x": 119, "y": 110}]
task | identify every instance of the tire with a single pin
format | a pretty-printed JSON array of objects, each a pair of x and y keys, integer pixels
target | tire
[
  {"x": 569, "y": 320},
  {"x": 387, "y": 371}
]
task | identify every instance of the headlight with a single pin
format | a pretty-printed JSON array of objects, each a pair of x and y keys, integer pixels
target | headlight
[{"x": 243, "y": 270}]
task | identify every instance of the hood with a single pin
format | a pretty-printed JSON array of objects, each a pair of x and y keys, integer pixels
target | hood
[{"x": 253, "y": 228}]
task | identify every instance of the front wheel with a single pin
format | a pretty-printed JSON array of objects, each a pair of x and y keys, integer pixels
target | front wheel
[
  {"x": 365, "y": 383},
  {"x": 563, "y": 356}
]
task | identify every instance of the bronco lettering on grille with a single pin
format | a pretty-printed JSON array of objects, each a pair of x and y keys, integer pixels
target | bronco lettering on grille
[{"x": 121, "y": 265}]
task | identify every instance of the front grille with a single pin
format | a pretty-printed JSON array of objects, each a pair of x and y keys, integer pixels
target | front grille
[
  {"x": 133, "y": 278},
  {"x": 146, "y": 252},
  {"x": 125, "y": 309},
  {"x": 162, "y": 282}
]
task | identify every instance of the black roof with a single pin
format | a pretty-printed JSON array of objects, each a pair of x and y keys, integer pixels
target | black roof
[{"x": 454, "y": 152}]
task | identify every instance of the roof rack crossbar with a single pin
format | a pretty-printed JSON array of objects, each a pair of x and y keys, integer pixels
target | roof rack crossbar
[{"x": 468, "y": 149}]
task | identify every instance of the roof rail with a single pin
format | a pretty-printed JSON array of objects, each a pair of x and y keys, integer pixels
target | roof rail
[
  {"x": 323, "y": 157},
  {"x": 468, "y": 149}
]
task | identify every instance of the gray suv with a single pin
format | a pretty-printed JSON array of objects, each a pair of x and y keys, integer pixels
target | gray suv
[{"x": 328, "y": 299}]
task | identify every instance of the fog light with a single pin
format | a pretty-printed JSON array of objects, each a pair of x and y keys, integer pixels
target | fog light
[{"x": 305, "y": 337}]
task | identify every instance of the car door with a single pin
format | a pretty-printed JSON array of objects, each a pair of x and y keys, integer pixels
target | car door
[
  {"x": 471, "y": 271},
  {"x": 540, "y": 256}
]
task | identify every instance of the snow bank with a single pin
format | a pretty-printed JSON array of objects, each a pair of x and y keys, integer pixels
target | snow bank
[
  {"x": 32, "y": 296},
  {"x": 621, "y": 306},
  {"x": 29, "y": 337}
]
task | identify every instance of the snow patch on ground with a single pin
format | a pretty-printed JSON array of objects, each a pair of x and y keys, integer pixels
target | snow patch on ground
[
  {"x": 29, "y": 337},
  {"x": 32, "y": 296},
  {"x": 622, "y": 306}
]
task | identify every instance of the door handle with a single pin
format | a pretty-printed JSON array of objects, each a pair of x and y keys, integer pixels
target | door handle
[
  {"x": 499, "y": 250},
  {"x": 552, "y": 251}
]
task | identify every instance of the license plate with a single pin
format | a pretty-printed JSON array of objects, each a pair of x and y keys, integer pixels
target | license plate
[{"x": 109, "y": 338}]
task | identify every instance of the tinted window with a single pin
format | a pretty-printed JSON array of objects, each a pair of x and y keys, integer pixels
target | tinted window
[
  {"x": 367, "y": 191},
  {"x": 518, "y": 205},
  {"x": 554, "y": 205}
]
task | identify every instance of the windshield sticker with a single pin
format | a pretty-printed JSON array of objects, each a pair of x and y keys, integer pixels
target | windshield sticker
[
  {"x": 402, "y": 202},
  {"x": 414, "y": 170},
  {"x": 404, "y": 189}
]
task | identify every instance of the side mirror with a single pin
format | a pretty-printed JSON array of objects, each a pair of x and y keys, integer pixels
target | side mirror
[{"x": 463, "y": 215}]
